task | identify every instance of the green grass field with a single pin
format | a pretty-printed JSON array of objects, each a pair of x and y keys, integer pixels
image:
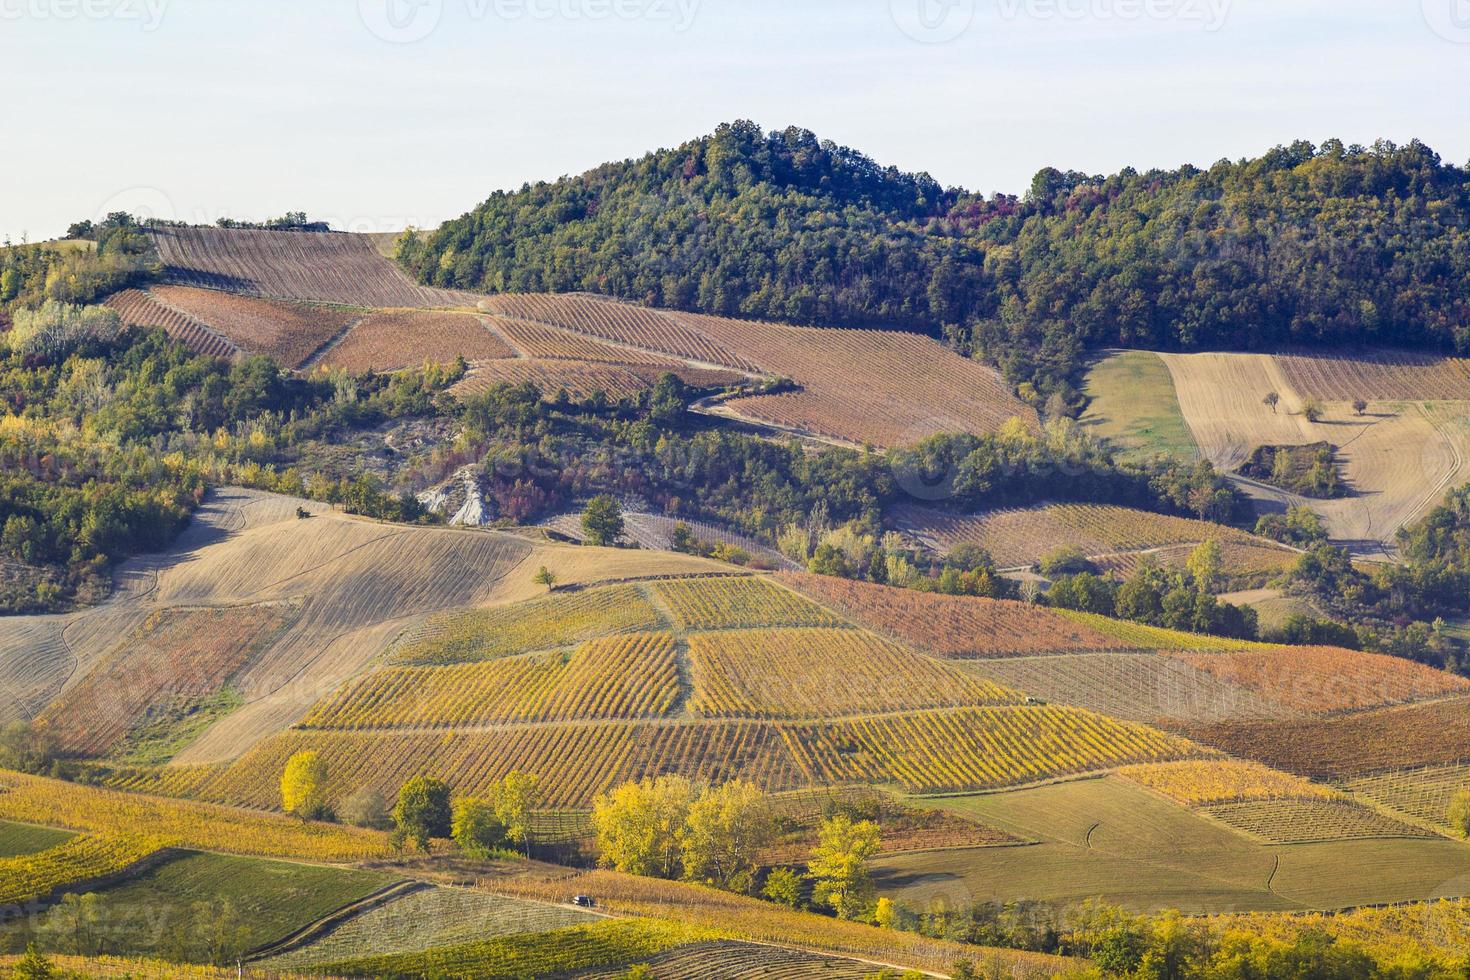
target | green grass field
[
  {"x": 1104, "y": 838},
  {"x": 1133, "y": 405},
  {"x": 154, "y": 913},
  {"x": 17, "y": 839}
]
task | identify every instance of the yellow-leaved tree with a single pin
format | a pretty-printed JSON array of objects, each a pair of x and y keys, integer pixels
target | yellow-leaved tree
[{"x": 303, "y": 785}]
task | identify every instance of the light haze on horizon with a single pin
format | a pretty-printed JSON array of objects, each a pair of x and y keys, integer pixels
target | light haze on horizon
[{"x": 198, "y": 109}]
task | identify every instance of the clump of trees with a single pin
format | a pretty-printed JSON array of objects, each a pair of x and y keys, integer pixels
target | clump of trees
[
  {"x": 1311, "y": 471},
  {"x": 481, "y": 826},
  {"x": 117, "y": 255}
]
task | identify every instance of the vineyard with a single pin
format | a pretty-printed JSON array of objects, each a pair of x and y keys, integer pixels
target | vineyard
[
  {"x": 736, "y": 960},
  {"x": 542, "y": 341},
  {"x": 288, "y": 333},
  {"x": 1327, "y": 680},
  {"x": 406, "y": 339},
  {"x": 35, "y": 877},
  {"x": 325, "y": 267},
  {"x": 1137, "y": 636},
  {"x": 738, "y": 603},
  {"x": 135, "y": 307},
  {"x": 655, "y": 532},
  {"x": 428, "y": 918},
  {"x": 1304, "y": 821},
  {"x": 975, "y": 748},
  {"x": 176, "y": 656},
  {"x": 1378, "y": 376},
  {"x": 1023, "y": 536},
  {"x": 1144, "y": 687},
  {"x": 892, "y": 389},
  {"x": 624, "y": 677},
  {"x": 622, "y": 323},
  {"x": 31, "y": 799},
  {"x": 1210, "y": 782},
  {"x": 1423, "y": 794},
  {"x": 1347, "y": 746},
  {"x": 555, "y": 621},
  {"x": 815, "y": 673},
  {"x": 956, "y": 626},
  {"x": 1253, "y": 561},
  {"x": 582, "y": 379}
]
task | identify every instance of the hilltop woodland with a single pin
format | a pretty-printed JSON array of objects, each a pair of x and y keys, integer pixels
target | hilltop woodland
[{"x": 1332, "y": 245}]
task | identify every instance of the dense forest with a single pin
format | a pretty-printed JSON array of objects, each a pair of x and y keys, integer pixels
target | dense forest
[{"x": 1332, "y": 244}]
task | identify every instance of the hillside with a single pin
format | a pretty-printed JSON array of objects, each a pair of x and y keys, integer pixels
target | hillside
[{"x": 1315, "y": 245}]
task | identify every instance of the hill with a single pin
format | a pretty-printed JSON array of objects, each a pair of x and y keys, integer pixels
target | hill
[{"x": 787, "y": 227}]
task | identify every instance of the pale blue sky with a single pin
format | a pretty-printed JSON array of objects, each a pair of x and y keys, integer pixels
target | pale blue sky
[{"x": 255, "y": 107}]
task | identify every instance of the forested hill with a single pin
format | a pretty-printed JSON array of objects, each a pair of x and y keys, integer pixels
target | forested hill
[{"x": 1302, "y": 245}]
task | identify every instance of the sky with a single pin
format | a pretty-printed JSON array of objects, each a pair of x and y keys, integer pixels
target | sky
[{"x": 377, "y": 114}]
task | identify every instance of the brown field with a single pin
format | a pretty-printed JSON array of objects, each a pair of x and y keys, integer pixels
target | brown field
[
  {"x": 1349, "y": 746},
  {"x": 175, "y": 656},
  {"x": 542, "y": 341},
  {"x": 1378, "y": 376},
  {"x": 406, "y": 339},
  {"x": 1328, "y": 680},
  {"x": 873, "y": 387},
  {"x": 954, "y": 626},
  {"x": 1142, "y": 687},
  {"x": 582, "y": 378},
  {"x": 136, "y": 307},
  {"x": 1301, "y": 821},
  {"x": 816, "y": 673},
  {"x": 622, "y": 323},
  {"x": 288, "y": 333},
  {"x": 1023, "y": 536},
  {"x": 1400, "y": 457},
  {"x": 323, "y": 267}
]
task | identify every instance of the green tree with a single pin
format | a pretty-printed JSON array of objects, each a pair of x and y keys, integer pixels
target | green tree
[
  {"x": 74, "y": 925},
  {"x": 34, "y": 966},
  {"x": 602, "y": 521},
  {"x": 423, "y": 811},
  {"x": 783, "y": 886},
  {"x": 476, "y": 828},
  {"x": 726, "y": 829},
  {"x": 303, "y": 785},
  {"x": 839, "y": 866},
  {"x": 668, "y": 400},
  {"x": 220, "y": 932},
  {"x": 1458, "y": 814},
  {"x": 641, "y": 826},
  {"x": 546, "y": 577}
]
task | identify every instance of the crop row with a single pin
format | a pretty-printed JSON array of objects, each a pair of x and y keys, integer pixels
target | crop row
[
  {"x": 1208, "y": 782},
  {"x": 1423, "y": 794},
  {"x": 1386, "y": 375},
  {"x": 956, "y": 626},
  {"x": 288, "y": 333},
  {"x": 815, "y": 673},
  {"x": 541, "y": 340},
  {"x": 552, "y": 622},
  {"x": 136, "y": 307},
  {"x": 1302, "y": 821},
  {"x": 392, "y": 341},
  {"x": 631, "y": 676},
  {"x": 1137, "y": 636},
  {"x": 738, "y": 603},
  {"x": 32, "y": 877},
  {"x": 736, "y": 960}
]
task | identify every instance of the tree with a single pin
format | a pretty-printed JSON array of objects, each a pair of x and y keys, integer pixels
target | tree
[
  {"x": 602, "y": 522},
  {"x": 885, "y": 915},
  {"x": 423, "y": 811},
  {"x": 1271, "y": 400},
  {"x": 1205, "y": 565},
  {"x": 783, "y": 886},
  {"x": 1458, "y": 814},
  {"x": 476, "y": 828},
  {"x": 74, "y": 925},
  {"x": 303, "y": 785},
  {"x": 1312, "y": 409},
  {"x": 726, "y": 829},
  {"x": 1360, "y": 405},
  {"x": 546, "y": 577},
  {"x": 641, "y": 826},
  {"x": 219, "y": 932},
  {"x": 668, "y": 400},
  {"x": 34, "y": 966},
  {"x": 25, "y": 747},
  {"x": 839, "y": 866},
  {"x": 517, "y": 795},
  {"x": 367, "y": 808}
]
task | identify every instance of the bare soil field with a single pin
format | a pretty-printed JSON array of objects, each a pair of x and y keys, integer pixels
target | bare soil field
[
  {"x": 323, "y": 267},
  {"x": 544, "y": 341},
  {"x": 288, "y": 333},
  {"x": 392, "y": 341},
  {"x": 137, "y": 307},
  {"x": 875, "y": 387}
]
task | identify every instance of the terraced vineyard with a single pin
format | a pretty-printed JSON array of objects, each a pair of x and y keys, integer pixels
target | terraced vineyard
[
  {"x": 288, "y": 333},
  {"x": 632, "y": 676},
  {"x": 1023, "y": 536},
  {"x": 582, "y": 379},
  {"x": 137, "y": 307},
  {"x": 1326, "y": 680},
  {"x": 392, "y": 341},
  {"x": 622, "y": 323},
  {"x": 326, "y": 267},
  {"x": 738, "y": 603},
  {"x": 975, "y": 748},
  {"x": 1303, "y": 821},
  {"x": 813, "y": 673},
  {"x": 956, "y": 626},
  {"x": 558, "y": 620},
  {"x": 34, "y": 877}
]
